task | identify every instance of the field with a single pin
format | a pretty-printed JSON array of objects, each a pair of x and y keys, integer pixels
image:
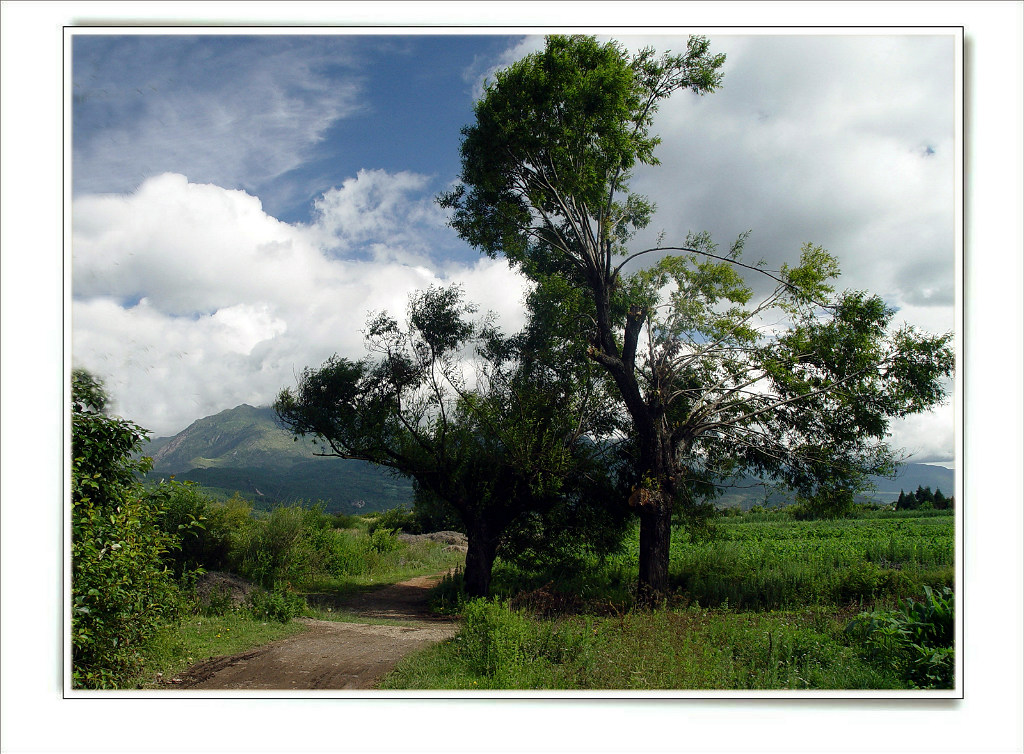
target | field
[{"x": 768, "y": 603}]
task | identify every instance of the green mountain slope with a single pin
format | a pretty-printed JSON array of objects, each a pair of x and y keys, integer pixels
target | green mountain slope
[{"x": 245, "y": 450}]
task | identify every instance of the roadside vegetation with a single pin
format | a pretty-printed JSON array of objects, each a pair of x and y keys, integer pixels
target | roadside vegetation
[
  {"x": 143, "y": 602},
  {"x": 766, "y": 601}
]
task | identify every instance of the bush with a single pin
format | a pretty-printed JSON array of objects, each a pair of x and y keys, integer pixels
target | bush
[
  {"x": 916, "y": 639},
  {"x": 203, "y": 530},
  {"x": 121, "y": 590},
  {"x": 396, "y": 519},
  {"x": 281, "y": 603},
  {"x": 449, "y": 596},
  {"x": 345, "y": 521},
  {"x": 383, "y": 541},
  {"x": 496, "y": 640}
]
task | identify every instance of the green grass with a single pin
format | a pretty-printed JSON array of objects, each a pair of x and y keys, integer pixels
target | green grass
[
  {"x": 691, "y": 648},
  {"x": 769, "y": 561},
  {"x": 406, "y": 561},
  {"x": 763, "y": 605}
]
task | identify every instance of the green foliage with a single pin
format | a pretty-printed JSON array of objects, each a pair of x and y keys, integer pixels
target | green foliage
[
  {"x": 512, "y": 446},
  {"x": 121, "y": 591},
  {"x": 199, "y": 523},
  {"x": 916, "y": 639},
  {"x": 570, "y": 121},
  {"x": 502, "y": 648},
  {"x": 280, "y": 603},
  {"x": 397, "y": 519},
  {"x": 449, "y": 596},
  {"x": 924, "y": 499}
]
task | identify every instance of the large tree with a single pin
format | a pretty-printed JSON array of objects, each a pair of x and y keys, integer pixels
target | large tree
[
  {"x": 798, "y": 384},
  {"x": 506, "y": 440}
]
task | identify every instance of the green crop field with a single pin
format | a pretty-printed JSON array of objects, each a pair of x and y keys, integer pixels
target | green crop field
[{"x": 765, "y": 602}]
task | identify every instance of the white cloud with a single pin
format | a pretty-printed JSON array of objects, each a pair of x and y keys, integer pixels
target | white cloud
[
  {"x": 189, "y": 299},
  {"x": 842, "y": 141},
  {"x": 928, "y": 437}
]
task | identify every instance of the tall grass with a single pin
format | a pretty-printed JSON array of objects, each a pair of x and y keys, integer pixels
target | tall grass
[{"x": 692, "y": 648}]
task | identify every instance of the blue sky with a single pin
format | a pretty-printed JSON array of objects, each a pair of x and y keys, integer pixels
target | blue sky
[
  {"x": 314, "y": 110},
  {"x": 241, "y": 203}
]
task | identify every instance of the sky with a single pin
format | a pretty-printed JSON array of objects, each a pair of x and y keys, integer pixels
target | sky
[{"x": 240, "y": 204}]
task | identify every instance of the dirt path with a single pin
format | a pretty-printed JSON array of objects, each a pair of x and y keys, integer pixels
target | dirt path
[{"x": 334, "y": 655}]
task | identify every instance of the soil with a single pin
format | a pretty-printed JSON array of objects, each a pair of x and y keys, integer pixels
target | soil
[{"x": 332, "y": 655}]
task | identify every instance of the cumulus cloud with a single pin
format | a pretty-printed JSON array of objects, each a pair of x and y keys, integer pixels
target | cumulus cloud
[
  {"x": 189, "y": 299},
  {"x": 847, "y": 142}
]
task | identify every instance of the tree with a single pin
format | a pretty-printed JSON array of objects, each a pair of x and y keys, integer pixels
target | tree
[
  {"x": 511, "y": 444},
  {"x": 798, "y": 385},
  {"x": 121, "y": 589}
]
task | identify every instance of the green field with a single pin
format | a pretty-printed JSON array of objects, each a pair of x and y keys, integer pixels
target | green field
[{"x": 767, "y": 603}]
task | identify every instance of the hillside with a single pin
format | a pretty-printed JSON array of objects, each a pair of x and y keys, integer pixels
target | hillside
[
  {"x": 748, "y": 491},
  {"x": 245, "y": 450}
]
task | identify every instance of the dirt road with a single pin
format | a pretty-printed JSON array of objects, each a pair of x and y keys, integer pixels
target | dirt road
[{"x": 333, "y": 655}]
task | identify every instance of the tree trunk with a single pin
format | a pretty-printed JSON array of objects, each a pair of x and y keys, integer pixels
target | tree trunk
[
  {"x": 655, "y": 508},
  {"x": 655, "y": 541},
  {"x": 480, "y": 556}
]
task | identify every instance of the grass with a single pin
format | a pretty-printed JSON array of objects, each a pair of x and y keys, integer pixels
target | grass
[
  {"x": 764, "y": 605},
  {"x": 690, "y": 648},
  {"x": 773, "y": 562},
  {"x": 405, "y": 561}
]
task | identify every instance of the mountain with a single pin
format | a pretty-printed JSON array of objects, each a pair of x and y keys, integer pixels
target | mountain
[
  {"x": 750, "y": 491},
  {"x": 245, "y": 450}
]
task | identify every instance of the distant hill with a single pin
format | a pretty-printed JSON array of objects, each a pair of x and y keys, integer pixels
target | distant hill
[
  {"x": 245, "y": 450},
  {"x": 749, "y": 491}
]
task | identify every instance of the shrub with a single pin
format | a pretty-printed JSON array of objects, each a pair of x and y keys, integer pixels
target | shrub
[
  {"x": 281, "y": 603},
  {"x": 396, "y": 519},
  {"x": 193, "y": 517},
  {"x": 496, "y": 640},
  {"x": 383, "y": 541},
  {"x": 121, "y": 590},
  {"x": 344, "y": 521},
  {"x": 449, "y": 596},
  {"x": 916, "y": 639}
]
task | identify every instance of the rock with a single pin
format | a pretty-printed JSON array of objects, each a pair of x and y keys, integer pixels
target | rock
[
  {"x": 216, "y": 583},
  {"x": 445, "y": 537}
]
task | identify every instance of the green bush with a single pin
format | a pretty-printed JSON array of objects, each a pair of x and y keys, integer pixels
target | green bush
[
  {"x": 396, "y": 519},
  {"x": 345, "y": 521},
  {"x": 384, "y": 541},
  {"x": 449, "y": 596},
  {"x": 496, "y": 640},
  {"x": 200, "y": 523},
  {"x": 915, "y": 639},
  {"x": 281, "y": 603},
  {"x": 121, "y": 590}
]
